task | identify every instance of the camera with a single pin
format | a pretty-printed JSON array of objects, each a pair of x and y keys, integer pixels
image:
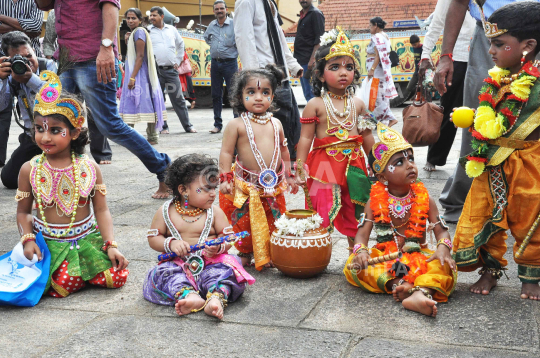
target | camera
[{"x": 18, "y": 64}]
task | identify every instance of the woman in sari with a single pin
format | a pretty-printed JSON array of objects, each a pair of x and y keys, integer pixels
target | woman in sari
[
  {"x": 142, "y": 99},
  {"x": 379, "y": 66}
]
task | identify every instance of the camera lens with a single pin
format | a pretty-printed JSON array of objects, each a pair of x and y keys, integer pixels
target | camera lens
[{"x": 18, "y": 67}]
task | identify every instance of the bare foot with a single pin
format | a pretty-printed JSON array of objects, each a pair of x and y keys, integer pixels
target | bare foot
[
  {"x": 402, "y": 292},
  {"x": 530, "y": 291},
  {"x": 105, "y": 162},
  {"x": 484, "y": 284},
  {"x": 269, "y": 265},
  {"x": 191, "y": 130},
  {"x": 162, "y": 192},
  {"x": 152, "y": 142},
  {"x": 191, "y": 302},
  {"x": 246, "y": 261},
  {"x": 164, "y": 131},
  {"x": 429, "y": 167},
  {"x": 192, "y": 105},
  {"x": 214, "y": 308},
  {"x": 417, "y": 302},
  {"x": 393, "y": 122}
]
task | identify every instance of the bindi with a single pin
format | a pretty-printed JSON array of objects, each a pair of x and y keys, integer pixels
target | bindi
[
  {"x": 45, "y": 124},
  {"x": 507, "y": 48},
  {"x": 258, "y": 84}
]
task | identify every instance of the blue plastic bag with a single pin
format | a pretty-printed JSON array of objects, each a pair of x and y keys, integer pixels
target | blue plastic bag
[{"x": 21, "y": 283}]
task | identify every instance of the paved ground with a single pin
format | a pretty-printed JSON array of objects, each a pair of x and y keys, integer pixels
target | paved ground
[{"x": 278, "y": 316}]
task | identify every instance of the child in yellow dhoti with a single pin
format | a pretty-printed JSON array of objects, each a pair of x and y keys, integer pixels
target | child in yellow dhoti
[
  {"x": 398, "y": 208},
  {"x": 505, "y": 193}
]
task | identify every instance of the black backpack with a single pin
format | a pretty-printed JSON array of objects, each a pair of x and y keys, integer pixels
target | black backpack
[{"x": 394, "y": 58}]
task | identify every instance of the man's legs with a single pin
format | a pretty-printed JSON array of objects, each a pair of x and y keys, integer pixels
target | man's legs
[
  {"x": 5, "y": 123},
  {"x": 101, "y": 99},
  {"x": 26, "y": 150},
  {"x": 169, "y": 79},
  {"x": 216, "y": 77},
  {"x": 306, "y": 85},
  {"x": 228, "y": 72}
]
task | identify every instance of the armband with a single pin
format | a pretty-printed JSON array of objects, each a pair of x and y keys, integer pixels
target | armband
[
  {"x": 309, "y": 120},
  {"x": 102, "y": 188},
  {"x": 20, "y": 195}
]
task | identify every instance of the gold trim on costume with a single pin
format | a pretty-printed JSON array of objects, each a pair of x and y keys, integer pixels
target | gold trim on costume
[
  {"x": 59, "y": 289},
  {"x": 108, "y": 278},
  {"x": 20, "y": 195},
  {"x": 142, "y": 117},
  {"x": 391, "y": 142}
]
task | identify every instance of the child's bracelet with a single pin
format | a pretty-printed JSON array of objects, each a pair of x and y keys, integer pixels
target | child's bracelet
[
  {"x": 226, "y": 177},
  {"x": 358, "y": 248},
  {"x": 28, "y": 237},
  {"x": 109, "y": 244},
  {"x": 446, "y": 242}
]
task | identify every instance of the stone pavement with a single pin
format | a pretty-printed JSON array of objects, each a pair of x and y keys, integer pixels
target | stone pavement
[{"x": 277, "y": 316}]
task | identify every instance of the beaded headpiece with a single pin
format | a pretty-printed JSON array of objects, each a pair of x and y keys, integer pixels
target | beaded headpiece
[
  {"x": 47, "y": 100},
  {"x": 342, "y": 47},
  {"x": 391, "y": 142},
  {"x": 490, "y": 29}
]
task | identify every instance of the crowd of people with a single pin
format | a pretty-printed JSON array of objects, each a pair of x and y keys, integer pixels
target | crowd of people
[{"x": 356, "y": 182}]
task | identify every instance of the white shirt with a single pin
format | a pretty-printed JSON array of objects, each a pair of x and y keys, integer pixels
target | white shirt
[
  {"x": 168, "y": 45},
  {"x": 252, "y": 41},
  {"x": 461, "y": 49}
]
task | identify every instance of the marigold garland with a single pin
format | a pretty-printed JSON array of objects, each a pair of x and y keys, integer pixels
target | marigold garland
[{"x": 490, "y": 123}]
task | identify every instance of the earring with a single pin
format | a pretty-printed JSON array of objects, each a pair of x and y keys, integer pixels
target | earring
[
  {"x": 385, "y": 183},
  {"x": 525, "y": 53},
  {"x": 186, "y": 201}
]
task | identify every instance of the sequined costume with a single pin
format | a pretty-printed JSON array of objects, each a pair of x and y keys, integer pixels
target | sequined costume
[
  {"x": 506, "y": 196},
  {"x": 76, "y": 258},
  {"x": 221, "y": 273}
]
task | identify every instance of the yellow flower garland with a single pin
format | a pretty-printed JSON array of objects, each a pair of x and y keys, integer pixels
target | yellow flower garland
[
  {"x": 474, "y": 169},
  {"x": 497, "y": 73},
  {"x": 521, "y": 87}
]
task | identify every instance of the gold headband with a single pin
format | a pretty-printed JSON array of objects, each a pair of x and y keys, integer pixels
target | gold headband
[
  {"x": 47, "y": 100},
  {"x": 342, "y": 47},
  {"x": 391, "y": 142},
  {"x": 490, "y": 29}
]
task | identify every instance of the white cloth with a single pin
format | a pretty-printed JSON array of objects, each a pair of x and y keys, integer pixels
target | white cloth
[
  {"x": 461, "y": 49},
  {"x": 252, "y": 41},
  {"x": 132, "y": 55},
  {"x": 168, "y": 45},
  {"x": 383, "y": 71}
]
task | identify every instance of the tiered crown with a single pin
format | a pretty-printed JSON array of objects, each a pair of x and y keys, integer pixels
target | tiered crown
[
  {"x": 391, "y": 142},
  {"x": 490, "y": 29},
  {"x": 342, "y": 47},
  {"x": 47, "y": 100}
]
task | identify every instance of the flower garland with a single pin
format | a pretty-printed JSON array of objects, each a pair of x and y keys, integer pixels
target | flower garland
[
  {"x": 297, "y": 227},
  {"x": 490, "y": 123},
  {"x": 329, "y": 37}
]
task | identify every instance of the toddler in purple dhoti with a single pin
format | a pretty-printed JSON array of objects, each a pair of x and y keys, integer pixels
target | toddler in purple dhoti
[{"x": 187, "y": 219}]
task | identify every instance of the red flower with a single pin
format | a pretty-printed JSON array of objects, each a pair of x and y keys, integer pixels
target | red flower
[
  {"x": 517, "y": 98},
  {"x": 508, "y": 113},
  {"x": 492, "y": 82},
  {"x": 478, "y": 136},
  {"x": 487, "y": 97},
  {"x": 477, "y": 159},
  {"x": 531, "y": 70}
]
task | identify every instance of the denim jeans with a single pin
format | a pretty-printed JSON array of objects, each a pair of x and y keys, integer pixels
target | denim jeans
[
  {"x": 218, "y": 72},
  {"x": 101, "y": 100},
  {"x": 306, "y": 85}
]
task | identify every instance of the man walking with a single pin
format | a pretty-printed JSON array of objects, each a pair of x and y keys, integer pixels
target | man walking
[
  {"x": 169, "y": 51},
  {"x": 260, "y": 41},
  {"x": 93, "y": 73},
  {"x": 220, "y": 36},
  {"x": 306, "y": 43}
]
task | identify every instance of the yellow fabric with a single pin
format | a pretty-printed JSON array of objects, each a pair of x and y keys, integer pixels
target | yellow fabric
[
  {"x": 260, "y": 232},
  {"x": 374, "y": 278},
  {"x": 522, "y": 170}
]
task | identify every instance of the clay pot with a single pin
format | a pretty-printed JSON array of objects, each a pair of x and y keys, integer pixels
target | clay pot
[{"x": 301, "y": 256}]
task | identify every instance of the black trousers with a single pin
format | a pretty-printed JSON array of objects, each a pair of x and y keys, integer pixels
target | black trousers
[
  {"x": 438, "y": 152},
  {"x": 27, "y": 150},
  {"x": 5, "y": 123}
]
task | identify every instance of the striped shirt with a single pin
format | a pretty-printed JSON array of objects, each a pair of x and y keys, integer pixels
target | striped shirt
[{"x": 29, "y": 16}]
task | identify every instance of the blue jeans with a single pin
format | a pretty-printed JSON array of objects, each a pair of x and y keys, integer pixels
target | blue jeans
[
  {"x": 101, "y": 100},
  {"x": 218, "y": 72},
  {"x": 306, "y": 85}
]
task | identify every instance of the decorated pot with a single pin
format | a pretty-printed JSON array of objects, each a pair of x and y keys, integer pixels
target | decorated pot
[{"x": 300, "y": 246}]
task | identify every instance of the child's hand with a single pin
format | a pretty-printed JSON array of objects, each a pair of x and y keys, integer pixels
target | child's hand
[
  {"x": 180, "y": 247},
  {"x": 361, "y": 260},
  {"x": 31, "y": 248},
  {"x": 118, "y": 260},
  {"x": 210, "y": 251},
  {"x": 225, "y": 188},
  {"x": 443, "y": 255},
  {"x": 293, "y": 187}
]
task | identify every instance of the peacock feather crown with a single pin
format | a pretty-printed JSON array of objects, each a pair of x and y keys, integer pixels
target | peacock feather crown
[{"x": 391, "y": 142}]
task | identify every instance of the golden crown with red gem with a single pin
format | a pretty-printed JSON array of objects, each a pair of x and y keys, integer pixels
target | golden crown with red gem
[{"x": 342, "y": 47}]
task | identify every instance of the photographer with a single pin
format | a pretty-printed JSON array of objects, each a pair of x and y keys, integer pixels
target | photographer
[{"x": 23, "y": 85}]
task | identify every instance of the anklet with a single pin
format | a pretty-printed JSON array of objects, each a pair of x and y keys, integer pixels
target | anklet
[
  {"x": 210, "y": 296},
  {"x": 497, "y": 273},
  {"x": 421, "y": 289},
  {"x": 395, "y": 285},
  {"x": 184, "y": 292}
]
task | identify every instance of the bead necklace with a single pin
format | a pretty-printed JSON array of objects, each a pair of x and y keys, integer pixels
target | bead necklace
[
  {"x": 261, "y": 119},
  {"x": 183, "y": 211},
  {"x": 337, "y": 96},
  {"x": 399, "y": 207},
  {"x": 191, "y": 221},
  {"x": 40, "y": 162},
  {"x": 343, "y": 121}
]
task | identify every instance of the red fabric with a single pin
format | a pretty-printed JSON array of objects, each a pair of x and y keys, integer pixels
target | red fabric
[
  {"x": 118, "y": 278},
  {"x": 327, "y": 169}
]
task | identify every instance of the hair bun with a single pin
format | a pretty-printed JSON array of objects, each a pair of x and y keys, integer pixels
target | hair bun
[{"x": 276, "y": 72}]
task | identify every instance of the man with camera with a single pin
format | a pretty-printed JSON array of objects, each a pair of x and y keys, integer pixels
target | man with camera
[{"x": 19, "y": 78}]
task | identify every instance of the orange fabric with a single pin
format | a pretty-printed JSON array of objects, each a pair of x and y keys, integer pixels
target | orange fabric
[{"x": 245, "y": 245}]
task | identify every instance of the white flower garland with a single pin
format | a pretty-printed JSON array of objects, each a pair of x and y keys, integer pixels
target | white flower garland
[
  {"x": 297, "y": 227},
  {"x": 365, "y": 123},
  {"x": 329, "y": 37},
  {"x": 383, "y": 232}
]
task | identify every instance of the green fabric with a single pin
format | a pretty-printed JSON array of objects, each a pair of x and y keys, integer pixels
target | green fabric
[
  {"x": 529, "y": 274},
  {"x": 86, "y": 262},
  {"x": 359, "y": 187}
]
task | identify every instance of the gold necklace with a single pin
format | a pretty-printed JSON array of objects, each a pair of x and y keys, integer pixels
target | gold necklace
[{"x": 183, "y": 211}]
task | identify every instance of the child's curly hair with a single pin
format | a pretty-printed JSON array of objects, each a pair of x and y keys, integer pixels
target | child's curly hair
[
  {"x": 187, "y": 168},
  {"x": 318, "y": 71},
  {"x": 78, "y": 145},
  {"x": 271, "y": 72}
]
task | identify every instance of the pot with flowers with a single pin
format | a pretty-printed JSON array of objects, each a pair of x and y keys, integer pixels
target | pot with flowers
[{"x": 300, "y": 246}]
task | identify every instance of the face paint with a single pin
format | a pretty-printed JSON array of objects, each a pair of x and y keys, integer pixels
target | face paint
[
  {"x": 247, "y": 98},
  {"x": 343, "y": 63},
  {"x": 258, "y": 84},
  {"x": 198, "y": 190},
  {"x": 64, "y": 133},
  {"x": 20, "y": 229},
  {"x": 405, "y": 154},
  {"x": 45, "y": 124},
  {"x": 507, "y": 48},
  {"x": 391, "y": 168},
  {"x": 269, "y": 99}
]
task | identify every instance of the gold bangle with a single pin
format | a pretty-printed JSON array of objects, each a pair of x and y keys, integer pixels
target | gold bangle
[
  {"x": 20, "y": 195},
  {"x": 27, "y": 237},
  {"x": 102, "y": 188}
]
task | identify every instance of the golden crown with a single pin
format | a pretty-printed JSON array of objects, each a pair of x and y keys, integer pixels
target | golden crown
[
  {"x": 490, "y": 29},
  {"x": 391, "y": 142},
  {"x": 342, "y": 47},
  {"x": 47, "y": 100}
]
